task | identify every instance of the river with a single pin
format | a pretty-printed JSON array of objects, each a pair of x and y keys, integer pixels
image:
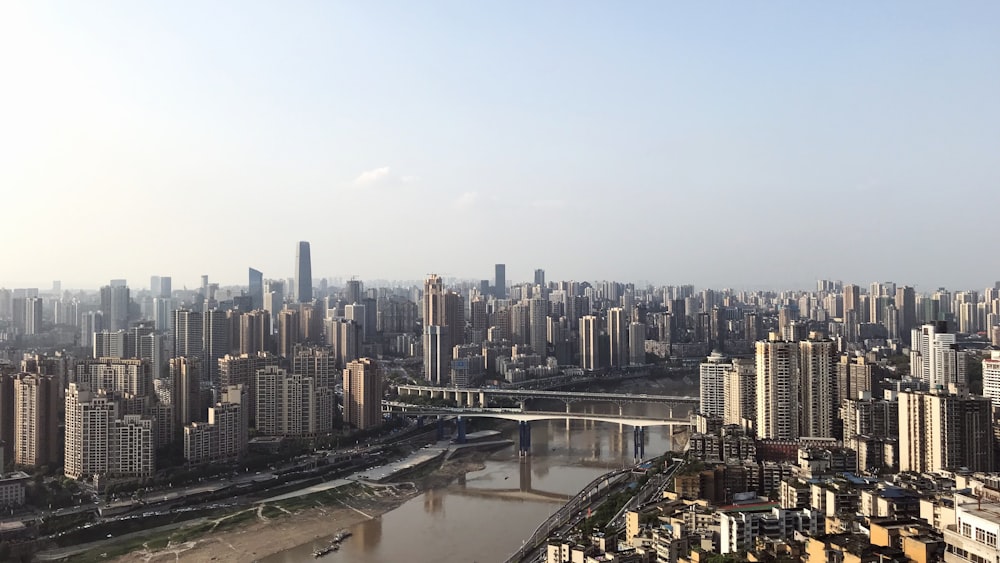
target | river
[{"x": 484, "y": 515}]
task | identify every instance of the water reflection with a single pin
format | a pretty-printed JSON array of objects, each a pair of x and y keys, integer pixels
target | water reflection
[{"x": 483, "y": 516}]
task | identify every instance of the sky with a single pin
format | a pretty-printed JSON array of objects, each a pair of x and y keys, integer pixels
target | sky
[{"x": 724, "y": 144}]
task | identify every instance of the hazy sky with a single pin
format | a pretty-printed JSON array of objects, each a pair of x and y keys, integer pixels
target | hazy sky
[{"x": 738, "y": 144}]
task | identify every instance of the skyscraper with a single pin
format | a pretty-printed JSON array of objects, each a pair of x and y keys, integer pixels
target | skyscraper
[
  {"x": 935, "y": 357},
  {"x": 777, "y": 389},
  {"x": 115, "y": 301},
  {"x": 538, "y": 327},
  {"x": 636, "y": 343},
  {"x": 589, "y": 343},
  {"x": 188, "y": 333},
  {"x": 500, "y": 281},
  {"x": 540, "y": 277},
  {"x": 36, "y": 422},
  {"x": 712, "y": 379},
  {"x": 303, "y": 273},
  {"x": 817, "y": 358},
  {"x": 945, "y": 431},
  {"x": 362, "y": 394},
  {"x": 618, "y": 336},
  {"x": 217, "y": 341},
  {"x": 256, "y": 289}
]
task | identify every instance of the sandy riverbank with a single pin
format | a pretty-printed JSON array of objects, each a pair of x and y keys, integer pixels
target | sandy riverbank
[{"x": 269, "y": 532}]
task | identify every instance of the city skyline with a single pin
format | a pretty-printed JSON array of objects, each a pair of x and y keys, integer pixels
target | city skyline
[{"x": 718, "y": 142}]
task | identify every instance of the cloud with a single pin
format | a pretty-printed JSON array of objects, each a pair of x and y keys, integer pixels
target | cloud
[
  {"x": 548, "y": 203},
  {"x": 467, "y": 200},
  {"x": 371, "y": 177}
]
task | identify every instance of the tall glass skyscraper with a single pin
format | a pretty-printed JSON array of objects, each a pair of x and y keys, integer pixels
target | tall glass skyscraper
[
  {"x": 303, "y": 273},
  {"x": 256, "y": 289}
]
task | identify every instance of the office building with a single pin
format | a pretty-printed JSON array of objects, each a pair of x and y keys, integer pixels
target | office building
[
  {"x": 540, "y": 277},
  {"x": 256, "y": 289},
  {"x": 500, "y": 281},
  {"x": 363, "y": 394},
  {"x": 777, "y": 389},
  {"x": 303, "y": 273}
]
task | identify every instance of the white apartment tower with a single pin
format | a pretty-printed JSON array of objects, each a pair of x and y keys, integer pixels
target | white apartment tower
[
  {"x": 90, "y": 416},
  {"x": 712, "y": 379},
  {"x": 777, "y": 389}
]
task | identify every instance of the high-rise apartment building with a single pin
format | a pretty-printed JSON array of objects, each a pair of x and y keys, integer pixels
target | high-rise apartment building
[
  {"x": 132, "y": 447},
  {"x": 991, "y": 377},
  {"x": 36, "y": 420},
  {"x": 936, "y": 359},
  {"x": 292, "y": 405},
  {"x": 289, "y": 332},
  {"x": 818, "y": 408},
  {"x": 217, "y": 336},
  {"x": 115, "y": 300},
  {"x": 538, "y": 314},
  {"x": 740, "y": 392},
  {"x": 317, "y": 362},
  {"x": 185, "y": 380},
  {"x": 122, "y": 375},
  {"x": 189, "y": 333},
  {"x": 224, "y": 436},
  {"x": 618, "y": 336},
  {"x": 303, "y": 273},
  {"x": 589, "y": 343},
  {"x": 712, "y": 380},
  {"x": 777, "y": 389},
  {"x": 636, "y": 343},
  {"x": 242, "y": 371},
  {"x": 363, "y": 394},
  {"x": 90, "y": 417},
  {"x": 941, "y": 431},
  {"x": 255, "y": 332}
]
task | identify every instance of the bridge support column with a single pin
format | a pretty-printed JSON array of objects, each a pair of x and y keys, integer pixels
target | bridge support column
[
  {"x": 524, "y": 442},
  {"x": 639, "y": 442},
  {"x": 461, "y": 430},
  {"x": 420, "y": 422},
  {"x": 440, "y": 429}
]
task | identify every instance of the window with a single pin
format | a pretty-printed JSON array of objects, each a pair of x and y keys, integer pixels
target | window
[{"x": 966, "y": 530}]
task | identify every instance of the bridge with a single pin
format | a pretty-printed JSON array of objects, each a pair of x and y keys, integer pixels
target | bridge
[
  {"x": 530, "y": 416},
  {"x": 481, "y": 397},
  {"x": 525, "y": 418}
]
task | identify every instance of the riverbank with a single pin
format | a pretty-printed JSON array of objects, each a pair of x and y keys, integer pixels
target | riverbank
[{"x": 272, "y": 528}]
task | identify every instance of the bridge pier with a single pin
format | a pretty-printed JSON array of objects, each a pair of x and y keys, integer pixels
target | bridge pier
[
  {"x": 440, "y": 428},
  {"x": 524, "y": 441},
  {"x": 639, "y": 443},
  {"x": 460, "y": 423}
]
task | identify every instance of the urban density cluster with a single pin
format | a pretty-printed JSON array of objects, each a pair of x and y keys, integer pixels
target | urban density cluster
[{"x": 836, "y": 424}]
